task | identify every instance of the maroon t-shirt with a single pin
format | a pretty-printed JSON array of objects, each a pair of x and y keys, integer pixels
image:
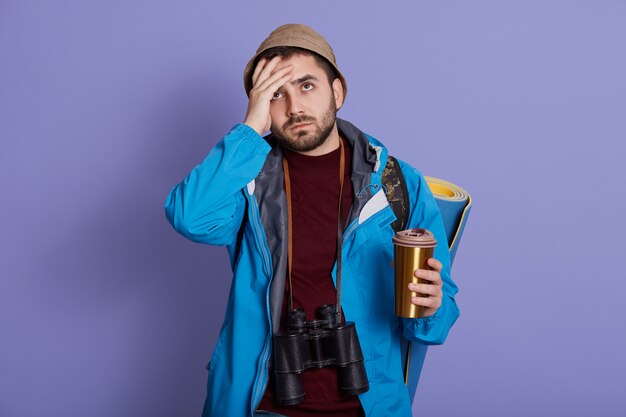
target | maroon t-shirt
[{"x": 315, "y": 200}]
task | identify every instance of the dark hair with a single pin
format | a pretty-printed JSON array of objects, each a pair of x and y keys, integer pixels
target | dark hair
[{"x": 289, "y": 51}]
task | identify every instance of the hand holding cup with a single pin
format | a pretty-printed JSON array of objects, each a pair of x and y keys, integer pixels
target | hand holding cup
[
  {"x": 418, "y": 278},
  {"x": 429, "y": 287}
]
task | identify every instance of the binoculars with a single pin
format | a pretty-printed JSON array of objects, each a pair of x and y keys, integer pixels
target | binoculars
[{"x": 317, "y": 344}]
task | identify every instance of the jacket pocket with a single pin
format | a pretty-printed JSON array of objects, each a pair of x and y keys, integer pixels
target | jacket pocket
[{"x": 375, "y": 234}]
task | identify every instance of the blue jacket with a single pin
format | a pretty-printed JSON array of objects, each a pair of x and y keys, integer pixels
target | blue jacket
[{"x": 235, "y": 198}]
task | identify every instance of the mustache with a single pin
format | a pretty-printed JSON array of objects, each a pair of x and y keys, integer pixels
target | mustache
[{"x": 298, "y": 120}]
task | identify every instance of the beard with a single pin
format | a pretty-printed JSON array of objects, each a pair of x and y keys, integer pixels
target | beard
[{"x": 315, "y": 135}]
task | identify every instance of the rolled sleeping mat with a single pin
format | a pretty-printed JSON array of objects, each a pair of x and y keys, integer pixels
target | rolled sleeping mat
[{"x": 455, "y": 205}]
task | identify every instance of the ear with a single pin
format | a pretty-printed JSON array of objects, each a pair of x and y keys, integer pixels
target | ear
[{"x": 338, "y": 92}]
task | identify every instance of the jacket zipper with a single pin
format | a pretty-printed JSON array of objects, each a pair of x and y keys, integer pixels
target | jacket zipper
[
  {"x": 262, "y": 379},
  {"x": 350, "y": 230}
]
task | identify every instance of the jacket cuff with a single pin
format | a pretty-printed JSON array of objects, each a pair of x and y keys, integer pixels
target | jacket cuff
[
  {"x": 245, "y": 131},
  {"x": 432, "y": 330}
]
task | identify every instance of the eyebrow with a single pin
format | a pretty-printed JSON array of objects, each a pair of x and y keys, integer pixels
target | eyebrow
[{"x": 303, "y": 79}]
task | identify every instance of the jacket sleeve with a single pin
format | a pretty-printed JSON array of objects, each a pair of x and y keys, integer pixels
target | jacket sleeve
[
  {"x": 208, "y": 205},
  {"x": 431, "y": 330}
]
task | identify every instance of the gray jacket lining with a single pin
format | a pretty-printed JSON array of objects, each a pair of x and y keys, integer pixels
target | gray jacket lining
[{"x": 272, "y": 202}]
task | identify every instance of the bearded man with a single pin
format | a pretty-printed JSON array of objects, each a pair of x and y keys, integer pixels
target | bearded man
[{"x": 304, "y": 216}]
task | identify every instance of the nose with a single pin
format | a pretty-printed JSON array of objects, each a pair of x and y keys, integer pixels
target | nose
[{"x": 294, "y": 106}]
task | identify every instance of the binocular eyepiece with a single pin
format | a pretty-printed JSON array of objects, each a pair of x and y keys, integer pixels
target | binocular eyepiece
[{"x": 318, "y": 343}]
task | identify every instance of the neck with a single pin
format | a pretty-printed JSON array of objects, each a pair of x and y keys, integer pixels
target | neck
[{"x": 329, "y": 145}]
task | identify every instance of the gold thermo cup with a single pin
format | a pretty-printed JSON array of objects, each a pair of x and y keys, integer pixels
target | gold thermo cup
[{"x": 412, "y": 248}]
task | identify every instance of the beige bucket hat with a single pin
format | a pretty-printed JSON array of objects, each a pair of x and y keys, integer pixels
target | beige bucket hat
[{"x": 298, "y": 35}]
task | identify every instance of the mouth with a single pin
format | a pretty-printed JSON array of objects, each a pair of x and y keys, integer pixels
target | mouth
[{"x": 299, "y": 125}]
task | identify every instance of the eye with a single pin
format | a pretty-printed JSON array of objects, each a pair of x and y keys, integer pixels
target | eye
[
  {"x": 276, "y": 95},
  {"x": 307, "y": 85}
]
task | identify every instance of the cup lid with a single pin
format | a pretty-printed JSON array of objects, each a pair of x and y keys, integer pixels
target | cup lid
[{"x": 417, "y": 238}]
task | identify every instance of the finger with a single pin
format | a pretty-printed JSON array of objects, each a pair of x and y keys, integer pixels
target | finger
[
  {"x": 432, "y": 276},
  {"x": 426, "y": 289},
  {"x": 267, "y": 69},
  {"x": 425, "y": 302},
  {"x": 263, "y": 64},
  {"x": 435, "y": 264},
  {"x": 276, "y": 80},
  {"x": 257, "y": 70}
]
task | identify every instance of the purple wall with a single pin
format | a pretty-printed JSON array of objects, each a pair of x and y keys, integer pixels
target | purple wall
[{"x": 106, "y": 311}]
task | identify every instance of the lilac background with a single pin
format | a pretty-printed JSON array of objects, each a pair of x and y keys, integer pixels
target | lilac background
[{"x": 105, "y": 105}]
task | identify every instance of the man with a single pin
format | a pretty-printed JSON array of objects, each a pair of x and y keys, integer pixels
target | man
[{"x": 303, "y": 213}]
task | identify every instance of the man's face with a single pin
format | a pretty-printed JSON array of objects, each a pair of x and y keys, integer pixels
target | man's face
[{"x": 303, "y": 110}]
